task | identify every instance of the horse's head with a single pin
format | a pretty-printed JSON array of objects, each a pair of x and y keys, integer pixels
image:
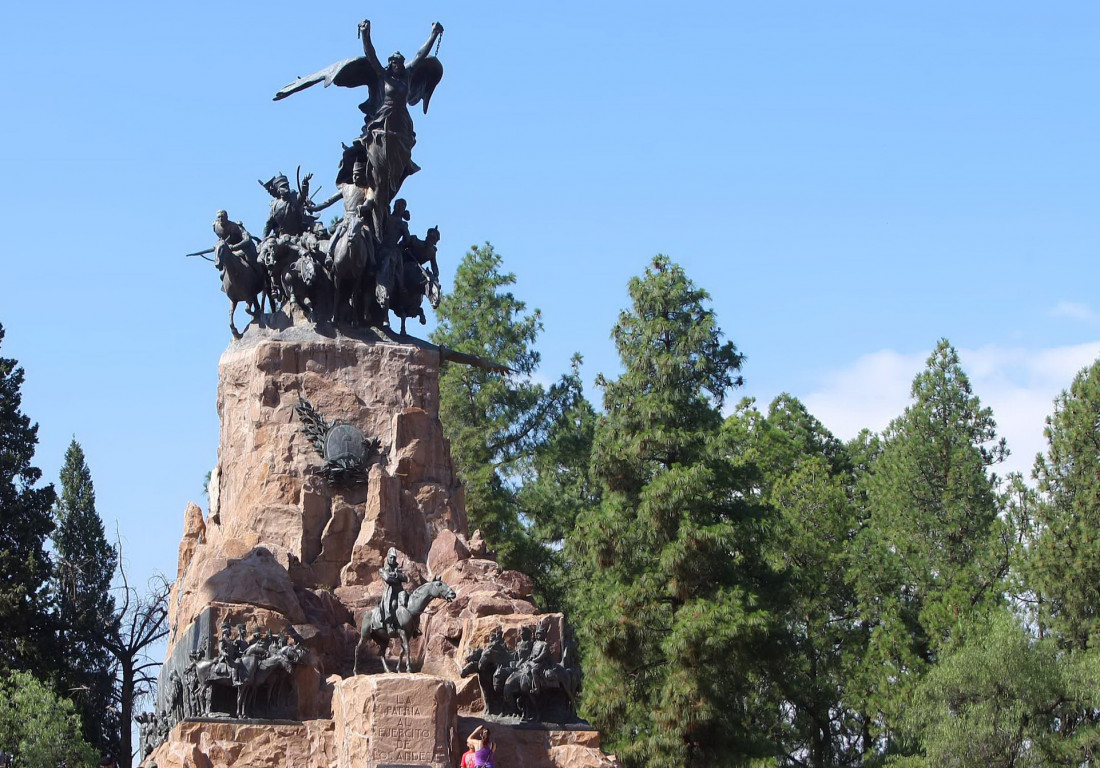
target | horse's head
[
  {"x": 439, "y": 589},
  {"x": 435, "y": 293}
]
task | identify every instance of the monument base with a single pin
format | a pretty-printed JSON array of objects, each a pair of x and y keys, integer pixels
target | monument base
[
  {"x": 214, "y": 743},
  {"x": 531, "y": 745},
  {"x": 394, "y": 719}
]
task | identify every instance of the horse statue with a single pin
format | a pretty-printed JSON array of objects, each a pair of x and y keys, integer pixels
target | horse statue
[
  {"x": 410, "y": 607},
  {"x": 257, "y": 672},
  {"x": 307, "y": 284},
  {"x": 352, "y": 255},
  {"x": 417, "y": 281},
  {"x": 519, "y": 689},
  {"x": 243, "y": 279}
]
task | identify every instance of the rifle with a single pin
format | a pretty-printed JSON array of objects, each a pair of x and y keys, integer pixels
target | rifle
[{"x": 200, "y": 253}]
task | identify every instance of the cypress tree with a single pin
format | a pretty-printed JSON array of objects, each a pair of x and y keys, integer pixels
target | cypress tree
[
  {"x": 669, "y": 600},
  {"x": 84, "y": 564},
  {"x": 26, "y": 631}
]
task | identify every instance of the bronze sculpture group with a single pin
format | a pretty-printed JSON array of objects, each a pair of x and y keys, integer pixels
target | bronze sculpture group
[
  {"x": 526, "y": 682},
  {"x": 368, "y": 263},
  {"x": 228, "y": 682}
]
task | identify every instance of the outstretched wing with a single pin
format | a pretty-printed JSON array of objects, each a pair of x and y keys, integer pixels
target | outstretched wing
[
  {"x": 348, "y": 73},
  {"x": 424, "y": 76}
]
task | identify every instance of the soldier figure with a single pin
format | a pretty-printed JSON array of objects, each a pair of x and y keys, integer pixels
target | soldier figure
[
  {"x": 394, "y": 577},
  {"x": 523, "y": 647},
  {"x": 389, "y": 277},
  {"x": 256, "y": 645},
  {"x": 288, "y": 209},
  {"x": 541, "y": 659},
  {"x": 227, "y": 652}
]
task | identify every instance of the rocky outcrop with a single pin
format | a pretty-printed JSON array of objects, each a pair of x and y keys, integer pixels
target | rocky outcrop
[
  {"x": 213, "y": 744},
  {"x": 283, "y": 550}
]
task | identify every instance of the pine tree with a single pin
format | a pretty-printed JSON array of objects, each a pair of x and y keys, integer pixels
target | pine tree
[
  {"x": 807, "y": 479},
  {"x": 669, "y": 602},
  {"x": 26, "y": 631},
  {"x": 84, "y": 564},
  {"x": 933, "y": 554},
  {"x": 496, "y": 422},
  {"x": 557, "y": 485},
  {"x": 1063, "y": 565}
]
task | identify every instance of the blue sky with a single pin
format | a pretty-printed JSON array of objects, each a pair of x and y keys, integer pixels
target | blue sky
[{"x": 849, "y": 180}]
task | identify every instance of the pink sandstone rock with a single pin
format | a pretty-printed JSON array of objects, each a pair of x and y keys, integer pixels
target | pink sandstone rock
[
  {"x": 477, "y": 545},
  {"x": 518, "y": 747},
  {"x": 246, "y": 745},
  {"x": 407, "y": 719},
  {"x": 280, "y": 547},
  {"x": 194, "y": 529},
  {"x": 447, "y": 549}
]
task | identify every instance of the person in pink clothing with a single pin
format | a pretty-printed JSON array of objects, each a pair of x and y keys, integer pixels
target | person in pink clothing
[{"x": 480, "y": 750}]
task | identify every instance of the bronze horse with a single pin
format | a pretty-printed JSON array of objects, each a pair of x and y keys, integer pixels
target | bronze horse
[
  {"x": 243, "y": 279},
  {"x": 411, "y": 606}
]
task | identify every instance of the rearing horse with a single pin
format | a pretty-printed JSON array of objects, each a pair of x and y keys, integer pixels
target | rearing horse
[{"x": 412, "y": 605}]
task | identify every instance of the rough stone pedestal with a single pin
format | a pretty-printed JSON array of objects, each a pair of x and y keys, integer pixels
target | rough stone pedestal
[
  {"x": 394, "y": 720},
  {"x": 239, "y": 744}
]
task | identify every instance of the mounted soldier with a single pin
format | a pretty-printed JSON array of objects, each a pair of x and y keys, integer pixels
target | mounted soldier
[
  {"x": 394, "y": 578},
  {"x": 541, "y": 659}
]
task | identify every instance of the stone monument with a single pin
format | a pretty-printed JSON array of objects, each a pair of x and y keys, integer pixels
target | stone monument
[{"x": 335, "y": 514}]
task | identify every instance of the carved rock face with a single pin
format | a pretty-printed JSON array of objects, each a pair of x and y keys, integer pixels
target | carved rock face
[
  {"x": 318, "y": 540},
  {"x": 283, "y": 548}
]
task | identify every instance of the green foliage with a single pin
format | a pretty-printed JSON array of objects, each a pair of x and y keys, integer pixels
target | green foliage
[
  {"x": 807, "y": 479},
  {"x": 557, "y": 485},
  {"x": 84, "y": 564},
  {"x": 39, "y": 729},
  {"x": 933, "y": 553},
  {"x": 25, "y": 522},
  {"x": 669, "y": 572},
  {"x": 1003, "y": 698},
  {"x": 499, "y": 425},
  {"x": 1063, "y": 567}
]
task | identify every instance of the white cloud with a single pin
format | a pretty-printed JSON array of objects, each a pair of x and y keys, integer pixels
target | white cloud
[
  {"x": 1019, "y": 384},
  {"x": 1073, "y": 311}
]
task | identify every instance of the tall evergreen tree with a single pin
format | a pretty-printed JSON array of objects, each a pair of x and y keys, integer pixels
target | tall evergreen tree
[
  {"x": 1063, "y": 566},
  {"x": 496, "y": 422},
  {"x": 933, "y": 554},
  {"x": 25, "y": 522},
  {"x": 557, "y": 485},
  {"x": 84, "y": 564},
  {"x": 669, "y": 598},
  {"x": 807, "y": 479}
]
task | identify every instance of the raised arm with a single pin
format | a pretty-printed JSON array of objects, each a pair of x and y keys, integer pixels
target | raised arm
[
  {"x": 437, "y": 30},
  {"x": 314, "y": 207},
  {"x": 368, "y": 46}
]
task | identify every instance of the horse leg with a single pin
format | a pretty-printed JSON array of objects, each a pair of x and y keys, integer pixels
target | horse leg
[
  {"x": 382, "y": 648},
  {"x": 232, "y": 327},
  {"x": 362, "y": 640}
]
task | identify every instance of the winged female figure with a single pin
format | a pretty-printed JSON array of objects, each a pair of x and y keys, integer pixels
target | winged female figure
[{"x": 384, "y": 149}]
